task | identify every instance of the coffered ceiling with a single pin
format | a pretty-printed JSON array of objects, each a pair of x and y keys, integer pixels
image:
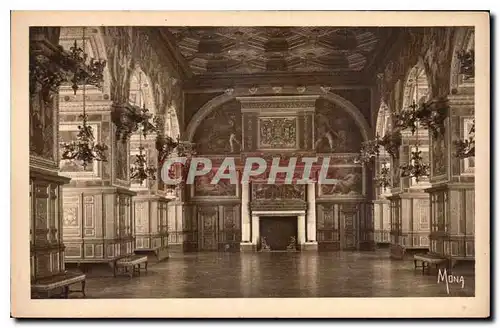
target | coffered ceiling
[{"x": 260, "y": 50}]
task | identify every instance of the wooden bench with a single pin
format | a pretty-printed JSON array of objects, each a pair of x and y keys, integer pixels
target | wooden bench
[
  {"x": 428, "y": 260},
  {"x": 50, "y": 284},
  {"x": 134, "y": 262}
]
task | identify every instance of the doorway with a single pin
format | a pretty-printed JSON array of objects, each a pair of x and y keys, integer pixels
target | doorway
[{"x": 278, "y": 231}]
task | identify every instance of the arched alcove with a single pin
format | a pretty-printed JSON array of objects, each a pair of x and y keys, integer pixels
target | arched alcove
[
  {"x": 140, "y": 92},
  {"x": 416, "y": 87}
]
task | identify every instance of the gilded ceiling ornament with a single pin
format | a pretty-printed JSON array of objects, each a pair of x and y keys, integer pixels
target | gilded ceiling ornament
[
  {"x": 325, "y": 89},
  {"x": 277, "y": 89},
  {"x": 253, "y": 90},
  {"x": 301, "y": 89}
]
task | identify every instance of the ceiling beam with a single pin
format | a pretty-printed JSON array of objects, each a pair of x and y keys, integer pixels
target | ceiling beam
[{"x": 227, "y": 80}]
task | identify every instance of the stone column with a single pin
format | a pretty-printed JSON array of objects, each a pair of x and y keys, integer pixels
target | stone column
[
  {"x": 245, "y": 245},
  {"x": 311, "y": 243},
  {"x": 255, "y": 231}
]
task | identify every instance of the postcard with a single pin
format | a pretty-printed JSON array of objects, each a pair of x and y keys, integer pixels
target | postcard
[{"x": 250, "y": 164}]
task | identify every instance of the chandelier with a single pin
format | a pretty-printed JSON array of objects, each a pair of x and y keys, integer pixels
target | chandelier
[
  {"x": 139, "y": 170},
  {"x": 424, "y": 115},
  {"x": 416, "y": 168},
  {"x": 383, "y": 180},
  {"x": 84, "y": 149},
  {"x": 91, "y": 73},
  {"x": 369, "y": 150}
]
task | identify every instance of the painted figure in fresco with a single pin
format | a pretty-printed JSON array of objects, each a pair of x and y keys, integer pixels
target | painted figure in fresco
[
  {"x": 349, "y": 184},
  {"x": 328, "y": 136},
  {"x": 220, "y": 132},
  {"x": 335, "y": 137},
  {"x": 233, "y": 140}
]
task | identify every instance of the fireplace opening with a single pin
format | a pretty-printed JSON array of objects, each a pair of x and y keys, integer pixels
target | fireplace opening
[{"x": 278, "y": 233}]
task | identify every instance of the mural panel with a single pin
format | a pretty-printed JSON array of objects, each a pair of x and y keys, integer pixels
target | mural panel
[
  {"x": 335, "y": 131},
  {"x": 349, "y": 182},
  {"x": 203, "y": 187},
  {"x": 220, "y": 132}
]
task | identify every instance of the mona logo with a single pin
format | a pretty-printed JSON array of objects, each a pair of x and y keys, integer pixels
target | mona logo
[{"x": 450, "y": 279}]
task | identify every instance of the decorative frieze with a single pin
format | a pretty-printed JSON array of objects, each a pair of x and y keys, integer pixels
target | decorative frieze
[{"x": 295, "y": 103}]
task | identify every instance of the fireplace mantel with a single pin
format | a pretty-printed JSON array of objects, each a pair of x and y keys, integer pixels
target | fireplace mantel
[{"x": 279, "y": 213}]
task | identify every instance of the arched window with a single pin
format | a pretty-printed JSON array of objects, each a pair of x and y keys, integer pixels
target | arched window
[
  {"x": 416, "y": 87},
  {"x": 140, "y": 93}
]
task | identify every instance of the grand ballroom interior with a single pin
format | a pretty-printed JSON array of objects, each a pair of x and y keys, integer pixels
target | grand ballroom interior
[{"x": 392, "y": 107}]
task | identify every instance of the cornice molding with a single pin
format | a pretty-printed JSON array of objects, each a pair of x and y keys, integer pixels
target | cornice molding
[
  {"x": 91, "y": 106},
  {"x": 304, "y": 103},
  {"x": 224, "y": 81}
]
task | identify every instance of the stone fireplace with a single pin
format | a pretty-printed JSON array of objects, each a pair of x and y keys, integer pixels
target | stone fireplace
[
  {"x": 268, "y": 224},
  {"x": 278, "y": 233}
]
